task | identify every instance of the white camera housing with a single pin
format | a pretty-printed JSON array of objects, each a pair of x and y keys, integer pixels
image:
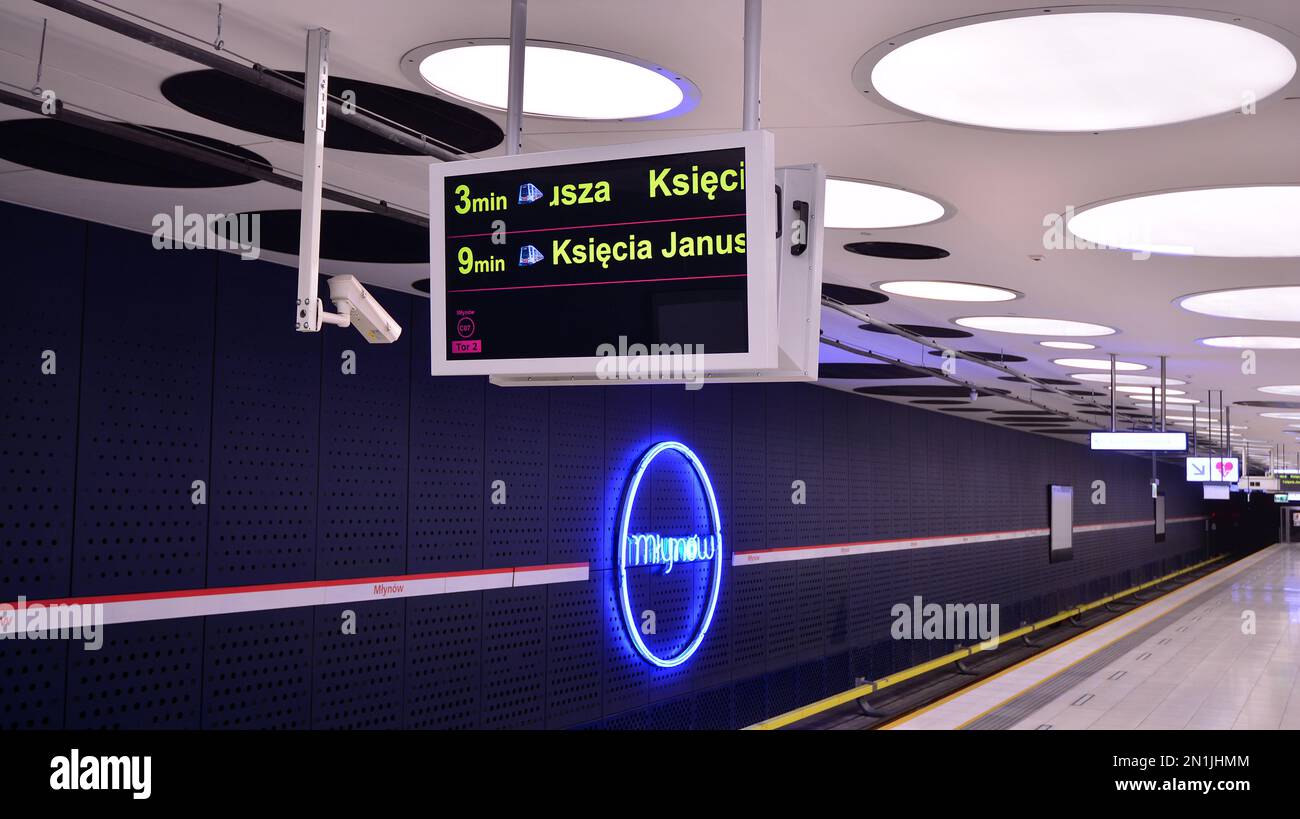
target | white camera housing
[{"x": 357, "y": 307}]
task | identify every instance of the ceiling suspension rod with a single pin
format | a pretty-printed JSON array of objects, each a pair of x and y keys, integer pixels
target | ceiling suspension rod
[
  {"x": 851, "y": 348},
  {"x": 835, "y": 304}
]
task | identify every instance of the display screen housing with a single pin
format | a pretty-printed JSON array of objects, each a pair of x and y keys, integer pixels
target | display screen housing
[
  {"x": 1061, "y": 522},
  {"x": 555, "y": 263}
]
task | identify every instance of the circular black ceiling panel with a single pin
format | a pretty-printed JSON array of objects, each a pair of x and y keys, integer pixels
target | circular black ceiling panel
[
  {"x": 853, "y": 295},
  {"x": 348, "y": 236},
  {"x": 1035, "y": 413},
  {"x": 420, "y": 284},
  {"x": 867, "y": 371},
  {"x": 1269, "y": 404},
  {"x": 221, "y": 98},
  {"x": 70, "y": 150},
  {"x": 1004, "y": 358},
  {"x": 920, "y": 391},
  {"x": 920, "y": 330},
  {"x": 966, "y": 409},
  {"x": 896, "y": 250},
  {"x": 935, "y": 402}
]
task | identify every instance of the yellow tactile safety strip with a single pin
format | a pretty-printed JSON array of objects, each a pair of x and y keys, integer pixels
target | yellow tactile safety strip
[{"x": 812, "y": 709}]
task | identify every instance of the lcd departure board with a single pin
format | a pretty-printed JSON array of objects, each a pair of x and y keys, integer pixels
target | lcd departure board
[{"x": 546, "y": 263}]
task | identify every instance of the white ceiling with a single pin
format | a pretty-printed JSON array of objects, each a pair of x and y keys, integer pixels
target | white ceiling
[{"x": 1000, "y": 184}]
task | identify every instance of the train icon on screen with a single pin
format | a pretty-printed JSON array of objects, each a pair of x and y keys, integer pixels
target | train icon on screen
[
  {"x": 528, "y": 193},
  {"x": 529, "y": 255}
]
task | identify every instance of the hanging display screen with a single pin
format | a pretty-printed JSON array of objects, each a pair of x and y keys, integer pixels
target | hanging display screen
[{"x": 549, "y": 262}]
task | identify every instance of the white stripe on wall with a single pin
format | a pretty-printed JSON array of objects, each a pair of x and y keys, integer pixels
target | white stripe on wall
[{"x": 788, "y": 553}]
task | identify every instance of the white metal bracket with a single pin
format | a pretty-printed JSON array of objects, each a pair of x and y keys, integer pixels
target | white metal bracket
[{"x": 310, "y": 312}]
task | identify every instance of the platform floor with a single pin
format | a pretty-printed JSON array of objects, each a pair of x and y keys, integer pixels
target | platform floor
[{"x": 1183, "y": 661}]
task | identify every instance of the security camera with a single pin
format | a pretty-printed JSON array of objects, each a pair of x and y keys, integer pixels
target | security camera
[
  {"x": 974, "y": 394},
  {"x": 356, "y": 306}
]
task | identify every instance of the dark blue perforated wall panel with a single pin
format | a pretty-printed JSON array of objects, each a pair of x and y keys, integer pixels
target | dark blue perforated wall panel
[
  {"x": 145, "y": 415},
  {"x": 447, "y": 489},
  {"x": 357, "y": 677},
  {"x": 257, "y": 670},
  {"x": 364, "y": 434},
  {"x": 444, "y": 642},
  {"x": 516, "y": 454},
  {"x": 183, "y": 366},
  {"x": 40, "y": 375},
  {"x": 265, "y": 431},
  {"x": 33, "y": 675},
  {"x": 146, "y": 676},
  {"x": 514, "y": 658}
]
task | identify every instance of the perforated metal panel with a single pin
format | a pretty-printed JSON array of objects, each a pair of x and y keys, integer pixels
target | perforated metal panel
[
  {"x": 443, "y": 655},
  {"x": 38, "y": 407},
  {"x": 574, "y": 648},
  {"x": 576, "y": 482},
  {"x": 447, "y": 488},
  {"x": 364, "y": 435},
  {"x": 515, "y": 531},
  {"x": 514, "y": 658},
  {"x": 33, "y": 674},
  {"x": 357, "y": 677},
  {"x": 146, "y": 406},
  {"x": 257, "y": 670},
  {"x": 146, "y": 676},
  {"x": 265, "y": 431}
]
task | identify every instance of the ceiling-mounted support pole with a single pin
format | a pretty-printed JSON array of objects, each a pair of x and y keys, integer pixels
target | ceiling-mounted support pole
[
  {"x": 515, "y": 88},
  {"x": 1211, "y": 438},
  {"x": 753, "y": 55},
  {"x": 1164, "y": 397},
  {"x": 1223, "y": 430},
  {"x": 1195, "y": 432},
  {"x": 1112, "y": 392},
  {"x": 40, "y": 59},
  {"x": 310, "y": 312}
]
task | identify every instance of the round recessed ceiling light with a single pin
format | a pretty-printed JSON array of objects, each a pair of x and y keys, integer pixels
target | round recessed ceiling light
[
  {"x": 1252, "y": 221},
  {"x": 854, "y": 204},
  {"x": 1067, "y": 345},
  {"x": 1280, "y": 303},
  {"x": 1285, "y": 389},
  {"x": 1098, "y": 364},
  {"x": 947, "y": 291},
  {"x": 1104, "y": 378},
  {"x": 1147, "y": 390},
  {"x": 560, "y": 80},
  {"x": 1083, "y": 68},
  {"x": 1254, "y": 342},
  {"x": 1023, "y": 325}
]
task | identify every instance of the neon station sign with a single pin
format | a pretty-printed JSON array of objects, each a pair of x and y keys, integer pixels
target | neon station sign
[{"x": 639, "y": 549}]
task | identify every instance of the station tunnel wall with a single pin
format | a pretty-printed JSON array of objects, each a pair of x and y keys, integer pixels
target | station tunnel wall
[{"x": 181, "y": 366}]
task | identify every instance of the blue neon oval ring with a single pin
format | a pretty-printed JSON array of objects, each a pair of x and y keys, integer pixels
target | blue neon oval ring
[{"x": 629, "y": 500}]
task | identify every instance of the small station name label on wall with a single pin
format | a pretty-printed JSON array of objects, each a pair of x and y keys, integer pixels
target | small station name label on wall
[
  {"x": 538, "y": 261},
  {"x": 670, "y": 486}
]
